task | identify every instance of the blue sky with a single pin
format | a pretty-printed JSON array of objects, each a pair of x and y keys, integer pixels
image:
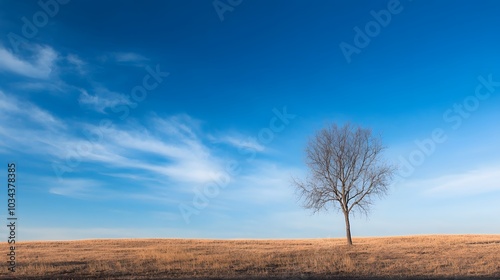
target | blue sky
[{"x": 188, "y": 118}]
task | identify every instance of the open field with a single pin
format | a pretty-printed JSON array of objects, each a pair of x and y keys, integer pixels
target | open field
[{"x": 425, "y": 257}]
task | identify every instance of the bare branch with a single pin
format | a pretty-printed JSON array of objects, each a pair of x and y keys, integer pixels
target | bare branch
[{"x": 346, "y": 170}]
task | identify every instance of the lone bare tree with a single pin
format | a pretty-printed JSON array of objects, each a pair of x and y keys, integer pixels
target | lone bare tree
[{"x": 346, "y": 170}]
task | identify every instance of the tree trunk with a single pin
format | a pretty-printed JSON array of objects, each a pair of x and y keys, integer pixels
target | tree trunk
[{"x": 348, "y": 228}]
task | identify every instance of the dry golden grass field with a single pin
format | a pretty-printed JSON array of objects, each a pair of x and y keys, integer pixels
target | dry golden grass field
[{"x": 412, "y": 257}]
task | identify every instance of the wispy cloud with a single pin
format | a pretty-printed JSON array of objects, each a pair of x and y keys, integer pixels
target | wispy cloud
[
  {"x": 40, "y": 65},
  {"x": 180, "y": 125},
  {"x": 127, "y": 58},
  {"x": 77, "y": 63},
  {"x": 102, "y": 99},
  {"x": 482, "y": 180},
  {"x": 20, "y": 111},
  {"x": 263, "y": 182},
  {"x": 178, "y": 154},
  {"x": 169, "y": 149},
  {"x": 167, "y": 155},
  {"x": 239, "y": 142},
  {"x": 76, "y": 187},
  {"x": 42, "y": 85}
]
